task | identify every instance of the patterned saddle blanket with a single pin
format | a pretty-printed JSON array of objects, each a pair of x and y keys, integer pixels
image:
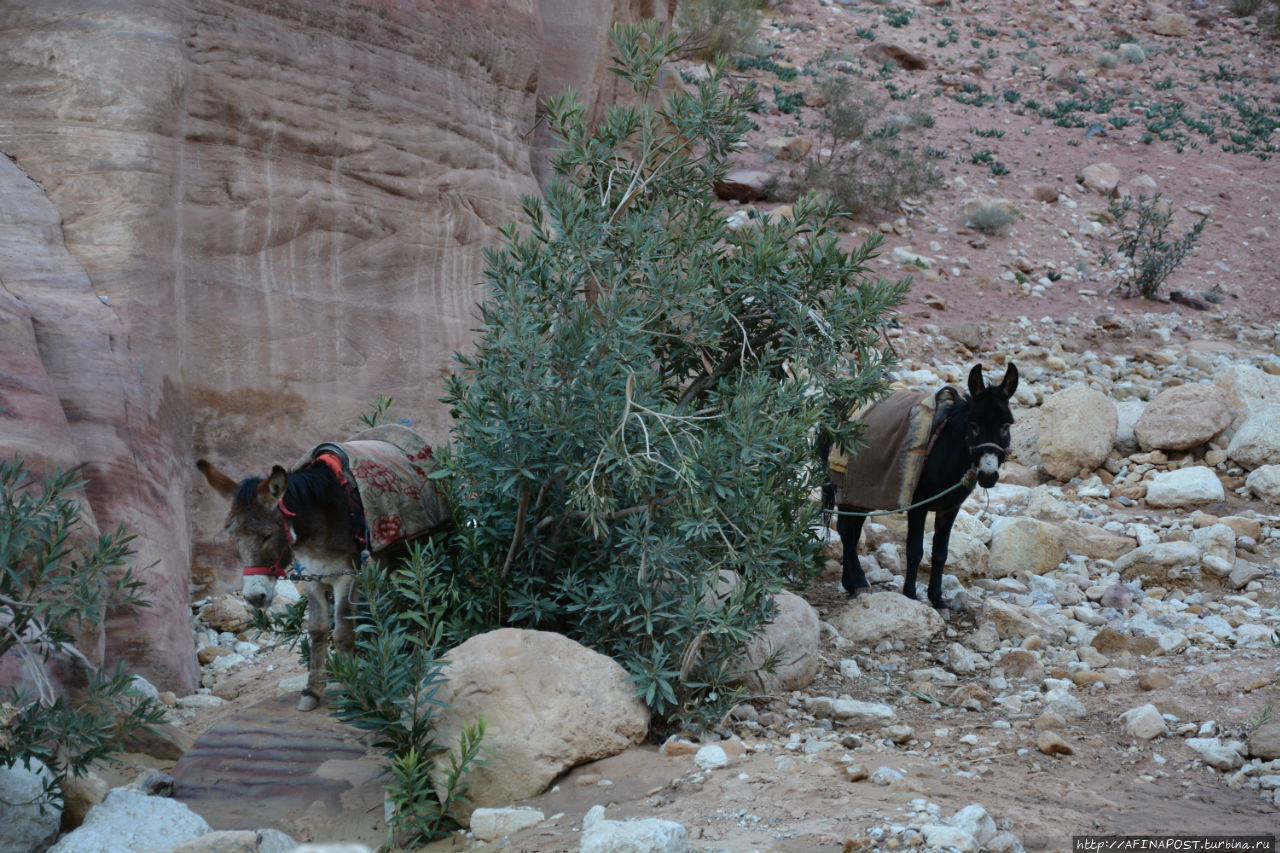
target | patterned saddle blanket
[
  {"x": 390, "y": 466},
  {"x": 898, "y": 435}
]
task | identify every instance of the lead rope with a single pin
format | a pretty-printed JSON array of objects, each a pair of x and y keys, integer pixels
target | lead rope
[{"x": 969, "y": 478}]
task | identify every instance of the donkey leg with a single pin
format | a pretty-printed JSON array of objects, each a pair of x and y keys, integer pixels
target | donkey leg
[
  {"x": 915, "y": 550},
  {"x": 942, "y": 521},
  {"x": 344, "y": 635},
  {"x": 318, "y": 634},
  {"x": 852, "y": 577}
]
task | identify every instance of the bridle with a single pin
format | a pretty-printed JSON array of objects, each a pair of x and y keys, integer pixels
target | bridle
[{"x": 277, "y": 569}]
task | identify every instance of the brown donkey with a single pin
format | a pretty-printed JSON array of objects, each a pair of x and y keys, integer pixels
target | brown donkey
[{"x": 340, "y": 503}]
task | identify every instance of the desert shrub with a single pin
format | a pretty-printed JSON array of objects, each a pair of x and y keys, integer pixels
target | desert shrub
[
  {"x": 54, "y": 588},
  {"x": 631, "y": 457},
  {"x": 1133, "y": 53},
  {"x": 991, "y": 218},
  {"x": 1244, "y": 8},
  {"x": 388, "y": 687},
  {"x": 1150, "y": 254},
  {"x": 873, "y": 161},
  {"x": 719, "y": 28},
  {"x": 1108, "y": 60}
]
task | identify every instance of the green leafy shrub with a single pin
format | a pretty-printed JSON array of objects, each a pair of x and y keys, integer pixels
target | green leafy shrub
[
  {"x": 388, "y": 687},
  {"x": 1150, "y": 254},
  {"x": 54, "y": 588},
  {"x": 869, "y": 162},
  {"x": 631, "y": 462},
  {"x": 991, "y": 218},
  {"x": 715, "y": 29}
]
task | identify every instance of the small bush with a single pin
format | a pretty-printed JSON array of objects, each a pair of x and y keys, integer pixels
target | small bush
[
  {"x": 873, "y": 161},
  {"x": 1133, "y": 53},
  {"x": 719, "y": 28},
  {"x": 53, "y": 591},
  {"x": 1142, "y": 227},
  {"x": 1108, "y": 60},
  {"x": 1244, "y": 8},
  {"x": 991, "y": 218}
]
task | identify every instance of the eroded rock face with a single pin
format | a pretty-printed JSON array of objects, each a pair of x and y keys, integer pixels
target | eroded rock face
[{"x": 230, "y": 224}]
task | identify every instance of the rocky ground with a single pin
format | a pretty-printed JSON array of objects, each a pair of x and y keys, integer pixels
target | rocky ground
[{"x": 1018, "y": 704}]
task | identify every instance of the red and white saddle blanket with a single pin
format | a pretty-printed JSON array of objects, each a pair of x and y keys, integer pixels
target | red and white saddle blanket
[
  {"x": 390, "y": 465},
  {"x": 899, "y": 430}
]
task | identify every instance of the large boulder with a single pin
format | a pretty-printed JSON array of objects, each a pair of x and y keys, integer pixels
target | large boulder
[
  {"x": 869, "y": 619},
  {"x": 1091, "y": 541},
  {"x": 1077, "y": 430},
  {"x": 1183, "y": 417},
  {"x": 1264, "y": 482},
  {"x": 1169, "y": 564},
  {"x": 29, "y": 827},
  {"x": 1257, "y": 441},
  {"x": 1190, "y": 486},
  {"x": 549, "y": 704},
  {"x": 1249, "y": 388},
  {"x": 1020, "y": 544},
  {"x": 130, "y": 820},
  {"x": 794, "y": 635}
]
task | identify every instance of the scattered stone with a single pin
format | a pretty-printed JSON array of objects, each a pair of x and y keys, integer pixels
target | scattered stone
[
  {"x": 791, "y": 148},
  {"x": 1264, "y": 743},
  {"x": 1153, "y": 679},
  {"x": 1215, "y": 753},
  {"x": 1161, "y": 564},
  {"x": 131, "y": 820},
  {"x": 1100, "y": 177},
  {"x": 854, "y": 712},
  {"x": 1170, "y": 24},
  {"x": 28, "y": 827},
  {"x": 744, "y": 185},
  {"x": 1144, "y": 722},
  {"x": 711, "y": 757},
  {"x": 1020, "y": 544},
  {"x": 880, "y": 53},
  {"x": 941, "y": 837},
  {"x": 226, "y": 613},
  {"x": 1257, "y": 439},
  {"x": 490, "y": 824},
  {"x": 1190, "y": 486},
  {"x": 1264, "y": 482},
  {"x": 1183, "y": 417},
  {"x": 870, "y": 619},
  {"x": 1078, "y": 428},
  {"x": 1051, "y": 743},
  {"x": 645, "y": 835}
]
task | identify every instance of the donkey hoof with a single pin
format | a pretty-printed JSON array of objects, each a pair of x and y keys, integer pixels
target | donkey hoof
[
  {"x": 944, "y": 612},
  {"x": 309, "y": 701},
  {"x": 859, "y": 590}
]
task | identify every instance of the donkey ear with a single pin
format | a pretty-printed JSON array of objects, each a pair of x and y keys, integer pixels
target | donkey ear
[
  {"x": 272, "y": 488},
  {"x": 222, "y": 484},
  {"x": 976, "y": 385},
  {"x": 1009, "y": 384}
]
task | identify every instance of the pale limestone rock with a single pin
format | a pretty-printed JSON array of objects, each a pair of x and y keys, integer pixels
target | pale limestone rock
[
  {"x": 791, "y": 148},
  {"x": 585, "y": 709},
  {"x": 967, "y": 557},
  {"x": 1162, "y": 564},
  {"x": 1215, "y": 753},
  {"x": 1100, "y": 177},
  {"x": 1170, "y": 24},
  {"x": 1264, "y": 742},
  {"x": 1249, "y": 389},
  {"x": 886, "y": 616},
  {"x": 1091, "y": 541},
  {"x": 132, "y": 820},
  {"x": 490, "y": 824},
  {"x": 1183, "y": 417},
  {"x": 1078, "y": 428},
  {"x": 1020, "y": 544},
  {"x": 1127, "y": 413},
  {"x": 853, "y": 712},
  {"x": 711, "y": 756},
  {"x": 28, "y": 826},
  {"x": 939, "y": 836},
  {"x": 1264, "y": 483},
  {"x": 643, "y": 835},
  {"x": 1144, "y": 722},
  {"x": 1257, "y": 440},
  {"x": 1189, "y": 486},
  {"x": 975, "y": 820},
  {"x": 1216, "y": 540},
  {"x": 794, "y": 632},
  {"x": 1013, "y": 621}
]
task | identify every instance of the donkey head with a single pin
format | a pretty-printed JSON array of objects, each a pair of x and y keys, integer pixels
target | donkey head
[
  {"x": 259, "y": 526},
  {"x": 987, "y": 434}
]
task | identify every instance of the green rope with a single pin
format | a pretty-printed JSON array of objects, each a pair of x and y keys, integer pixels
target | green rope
[{"x": 966, "y": 480}]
